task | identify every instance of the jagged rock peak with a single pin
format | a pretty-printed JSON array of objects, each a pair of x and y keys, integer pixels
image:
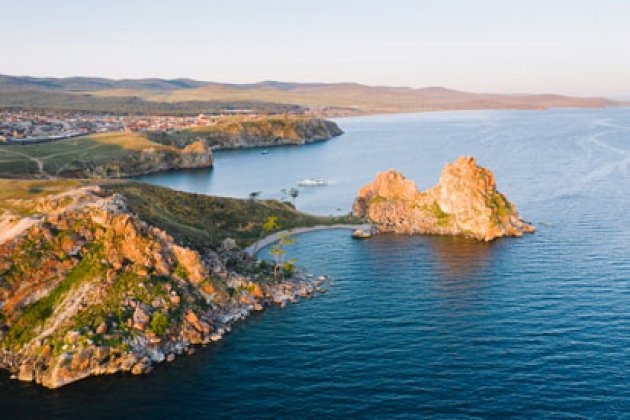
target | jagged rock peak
[{"x": 465, "y": 203}]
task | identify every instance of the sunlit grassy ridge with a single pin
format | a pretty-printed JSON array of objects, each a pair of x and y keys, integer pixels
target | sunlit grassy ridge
[{"x": 65, "y": 155}]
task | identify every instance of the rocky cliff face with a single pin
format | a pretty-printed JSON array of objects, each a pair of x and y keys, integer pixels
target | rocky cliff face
[
  {"x": 465, "y": 202},
  {"x": 87, "y": 288},
  {"x": 153, "y": 159},
  {"x": 261, "y": 132}
]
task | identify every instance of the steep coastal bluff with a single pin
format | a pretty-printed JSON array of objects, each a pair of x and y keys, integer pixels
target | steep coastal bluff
[
  {"x": 116, "y": 278},
  {"x": 151, "y": 159},
  {"x": 465, "y": 202},
  {"x": 245, "y": 132}
]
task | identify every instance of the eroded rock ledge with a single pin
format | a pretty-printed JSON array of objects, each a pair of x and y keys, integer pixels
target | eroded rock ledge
[{"x": 465, "y": 202}]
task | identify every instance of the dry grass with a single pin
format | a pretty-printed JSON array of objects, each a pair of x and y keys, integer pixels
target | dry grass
[
  {"x": 21, "y": 188},
  {"x": 11, "y": 189}
]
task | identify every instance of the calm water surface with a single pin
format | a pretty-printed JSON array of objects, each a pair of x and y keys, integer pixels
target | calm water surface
[{"x": 419, "y": 326}]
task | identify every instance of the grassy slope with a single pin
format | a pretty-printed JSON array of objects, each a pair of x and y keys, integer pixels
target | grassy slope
[
  {"x": 58, "y": 155},
  {"x": 203, "y": 221},
  {"x": 197, "y": 220}
]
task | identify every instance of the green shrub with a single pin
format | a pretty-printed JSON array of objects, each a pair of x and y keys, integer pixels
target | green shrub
[
  {"x": 500, "y": 205},
  {"x": 377, "y": 199},
  {"x": 441, "y": 215},
  {"x": 180, "y": 272},
  {"x": 288, "y": 268},
  {"x": 159, "y": 323}
]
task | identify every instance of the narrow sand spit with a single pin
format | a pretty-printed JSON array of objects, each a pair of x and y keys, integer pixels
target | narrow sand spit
[{"x": 254, "y": 248}]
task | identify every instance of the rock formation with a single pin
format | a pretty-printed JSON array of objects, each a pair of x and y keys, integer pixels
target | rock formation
[
  {"x": 88, "y": 288},
  {"x": 465, "y": 202}
]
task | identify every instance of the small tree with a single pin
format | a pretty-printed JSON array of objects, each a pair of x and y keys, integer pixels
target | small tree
[
  {"x": 270, "y": 225},
  {"x": 288, "y": 268},
  {"x": 294, "y": 193},
  {"x": 279, "y": 250},
  {"x": 254, "y": 195}
]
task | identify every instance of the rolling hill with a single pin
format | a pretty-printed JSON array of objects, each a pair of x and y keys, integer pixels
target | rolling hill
[{"x": 162, "y": 95}]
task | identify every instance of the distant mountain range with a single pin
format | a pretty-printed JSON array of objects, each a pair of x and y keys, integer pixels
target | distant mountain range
[{"x": 158, "y": 95}]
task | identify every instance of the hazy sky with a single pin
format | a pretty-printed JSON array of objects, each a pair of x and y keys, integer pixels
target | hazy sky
[{"x": 573, "y": 46}]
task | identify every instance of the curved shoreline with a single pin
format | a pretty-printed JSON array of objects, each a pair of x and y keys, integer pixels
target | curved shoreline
[{"x": 274, "y": 237}]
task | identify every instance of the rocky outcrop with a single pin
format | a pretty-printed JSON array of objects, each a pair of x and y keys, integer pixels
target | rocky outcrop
[
  {"x": 234, "y": 133},
  {"x": 465, "y": 202},
  {"x": 153, "y": 159},
  {"x": 88, "y": 288}
]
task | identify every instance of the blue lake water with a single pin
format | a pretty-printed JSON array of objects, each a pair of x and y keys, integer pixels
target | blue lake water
[{"x": 537, "y": 326}]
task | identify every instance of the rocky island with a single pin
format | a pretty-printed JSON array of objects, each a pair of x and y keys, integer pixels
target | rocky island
[
  {"x": 98, "y": 279},
  {"x": 465, "y": 202}
]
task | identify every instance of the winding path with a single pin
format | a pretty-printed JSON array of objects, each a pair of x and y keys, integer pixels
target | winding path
[
  {"x": 254, "y": 248},
  {"x": 38, "y": 161}
]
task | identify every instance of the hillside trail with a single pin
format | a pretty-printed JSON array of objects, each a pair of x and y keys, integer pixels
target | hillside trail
[{"x": 38, "y": 162}]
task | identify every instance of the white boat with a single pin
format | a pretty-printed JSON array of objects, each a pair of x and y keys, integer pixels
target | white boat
[{"x": 312, "y": 182}]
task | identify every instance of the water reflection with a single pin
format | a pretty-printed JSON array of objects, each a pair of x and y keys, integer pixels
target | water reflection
[
  {"x": 451, "y": 259},
  {"x": 459, "y": 259}
]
